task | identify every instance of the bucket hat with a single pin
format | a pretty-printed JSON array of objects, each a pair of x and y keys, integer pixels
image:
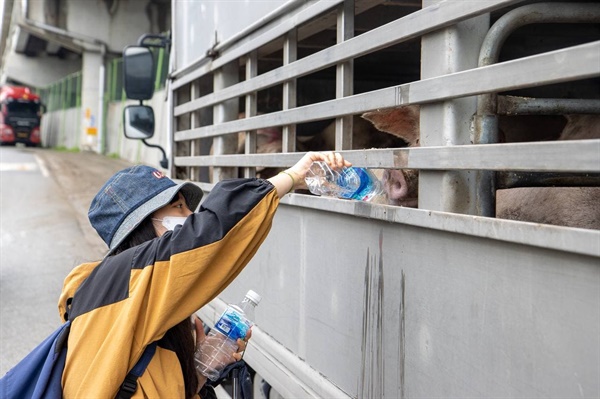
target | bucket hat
[{"x": 130, "y": 196}]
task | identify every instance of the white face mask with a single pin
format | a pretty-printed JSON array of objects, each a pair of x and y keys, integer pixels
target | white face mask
[{"x": 169, "y": 222}]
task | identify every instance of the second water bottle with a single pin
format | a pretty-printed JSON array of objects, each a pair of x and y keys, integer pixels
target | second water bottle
[{"x": 221, "y": 342}]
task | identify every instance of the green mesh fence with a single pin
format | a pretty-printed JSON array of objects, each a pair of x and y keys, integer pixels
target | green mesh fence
[
  {"x": 63, "y": 94},
  {"x": 66, "y": 93}
]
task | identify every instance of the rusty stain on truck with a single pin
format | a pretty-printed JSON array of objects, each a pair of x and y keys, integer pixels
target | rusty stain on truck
[{"x": 371, "y": 381}]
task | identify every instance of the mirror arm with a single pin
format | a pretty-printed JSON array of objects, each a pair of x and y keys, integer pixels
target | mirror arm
[
  {"x": 164, "y": 162},
  {"x": 163, "y": 41}
]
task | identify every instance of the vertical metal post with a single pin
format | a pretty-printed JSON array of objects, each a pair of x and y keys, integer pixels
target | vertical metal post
[
  {"x": 448, "y": 123},
  {"x": 290, "y": 54},
  {"x": 195, "y": 119},
  {"x": 228, "y": 110},
  {"x": 181, "y": 148},
  {"x": 251, "y": 105},
  {"x": 344, "y": 85}
]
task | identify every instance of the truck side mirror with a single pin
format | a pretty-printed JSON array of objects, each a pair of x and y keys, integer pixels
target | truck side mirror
[
  {"x": 138, "y": 122},
  {"x": 138, "y": 72}
]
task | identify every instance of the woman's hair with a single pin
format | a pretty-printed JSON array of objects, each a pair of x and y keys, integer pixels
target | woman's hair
[{"x": 178, "y": 338}]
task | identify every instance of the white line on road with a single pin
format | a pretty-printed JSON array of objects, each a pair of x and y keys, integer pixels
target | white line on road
[
  {"x": 42, "y": 165},
  {"x": 20, "y": 167}
]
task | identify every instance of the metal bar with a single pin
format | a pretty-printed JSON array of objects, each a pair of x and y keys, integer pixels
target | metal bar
[
  {"x": 511, "y": 105},
  {"x": 565, "y": 239},
  {"x": 251, "y": 105},
  {"x": 344, "y": 85},
  {"x": 290, "y": 54},
  {"x": 414, "y": 25},
  {"x": 572, "y": 63},
  {"x": 195, "y": 121},
  {"x": 579, "y": 241},
  {"x": 528, "y": 179},
  {"x": 534, "y": 14},
  {"x": 486, "y": 130},
  {"x": 227, "y": 111},
  {"x": 549, "y": 157}
]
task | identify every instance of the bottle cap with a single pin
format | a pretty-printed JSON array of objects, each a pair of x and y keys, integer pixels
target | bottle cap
[{"x": 253, "y": 296}]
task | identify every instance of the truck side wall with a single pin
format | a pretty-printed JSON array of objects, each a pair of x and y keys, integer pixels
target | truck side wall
[
  {"x": 363, "y": 300},
  {"x": 366, "y": 300}
]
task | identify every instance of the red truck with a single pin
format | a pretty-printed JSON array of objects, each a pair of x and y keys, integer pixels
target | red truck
[{"x": 20, "y": 116}]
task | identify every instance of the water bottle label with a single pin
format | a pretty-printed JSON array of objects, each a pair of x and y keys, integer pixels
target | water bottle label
[{"x": 232, "y": 324}]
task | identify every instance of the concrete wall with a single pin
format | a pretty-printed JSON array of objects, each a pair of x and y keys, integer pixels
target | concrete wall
[
  {"x": 61, "y": 129},
  {"x": 127, "y": 23}
]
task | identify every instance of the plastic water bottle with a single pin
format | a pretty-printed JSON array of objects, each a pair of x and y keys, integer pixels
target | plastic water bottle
[
  {"x": 351, "y": 183},
  {"x": 221, "y": 342}
]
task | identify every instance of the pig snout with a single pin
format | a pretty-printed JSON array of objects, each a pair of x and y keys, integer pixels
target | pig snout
[{"x": 401, "y": 186}]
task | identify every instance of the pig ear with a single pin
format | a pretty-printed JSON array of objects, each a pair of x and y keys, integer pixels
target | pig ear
[{"x": 401, "y": 122}]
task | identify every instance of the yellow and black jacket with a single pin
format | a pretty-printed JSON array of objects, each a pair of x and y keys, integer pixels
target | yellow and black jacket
[{"x": 122, "y": 304}]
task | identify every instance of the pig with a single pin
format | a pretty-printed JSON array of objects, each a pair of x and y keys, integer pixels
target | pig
[
  {"x": 365, "y": 135},
  {"x": 400, "y": 185},
  {"x": 563, "y": 206},
  {"x": 268, "y": 140}
]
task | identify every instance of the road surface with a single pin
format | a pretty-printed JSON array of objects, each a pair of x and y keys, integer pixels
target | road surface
[{"x": 44, "y": 233}]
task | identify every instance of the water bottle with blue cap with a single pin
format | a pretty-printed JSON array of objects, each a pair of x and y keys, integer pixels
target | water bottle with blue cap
[
  {"x": 221, "y": 341},
  {"x": 349, "y": 183}
]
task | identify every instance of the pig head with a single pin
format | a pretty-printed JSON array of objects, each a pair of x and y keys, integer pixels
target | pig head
[{"x": 401, "y": 185}]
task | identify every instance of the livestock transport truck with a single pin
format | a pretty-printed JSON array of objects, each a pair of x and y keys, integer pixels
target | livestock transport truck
[{"x": 443, "y": 300}]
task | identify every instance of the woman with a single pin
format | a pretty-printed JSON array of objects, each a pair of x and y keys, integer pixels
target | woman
[{"x": 164, "y": 263}]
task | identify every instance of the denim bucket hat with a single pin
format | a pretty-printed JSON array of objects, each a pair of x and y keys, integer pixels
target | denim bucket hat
[{"x": 130, "y": 196}]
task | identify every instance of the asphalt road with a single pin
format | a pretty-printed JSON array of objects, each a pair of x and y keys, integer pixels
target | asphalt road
[{"x": 44, "y": 233}]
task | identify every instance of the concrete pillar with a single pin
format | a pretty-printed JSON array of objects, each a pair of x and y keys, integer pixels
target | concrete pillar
[{"x": 90, "y": 101}]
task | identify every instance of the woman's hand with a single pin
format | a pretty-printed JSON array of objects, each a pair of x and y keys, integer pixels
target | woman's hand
[
  {"x": 242, "y": 345},
  {"x": 205, "y": 347},
  {"x": 293, "y": 178}
]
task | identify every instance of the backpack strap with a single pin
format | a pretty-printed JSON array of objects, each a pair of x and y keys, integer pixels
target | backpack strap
[{"x": 129, "y": 386}]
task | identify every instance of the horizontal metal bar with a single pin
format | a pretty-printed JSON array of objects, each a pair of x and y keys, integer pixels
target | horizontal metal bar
[
  {"x": 581, "y": 241},
  {"x": 563, "y": 156},
  {"x": 573, "y": 240},
  {"x": 413, "y": 25},
  {"x": 555, "y": 156},
  {"x": 538, "y": 13},
  {"x": 572, "y": 63},
  {"x": 546, "y": 179},
  {"x": 511, "y": 105}
]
